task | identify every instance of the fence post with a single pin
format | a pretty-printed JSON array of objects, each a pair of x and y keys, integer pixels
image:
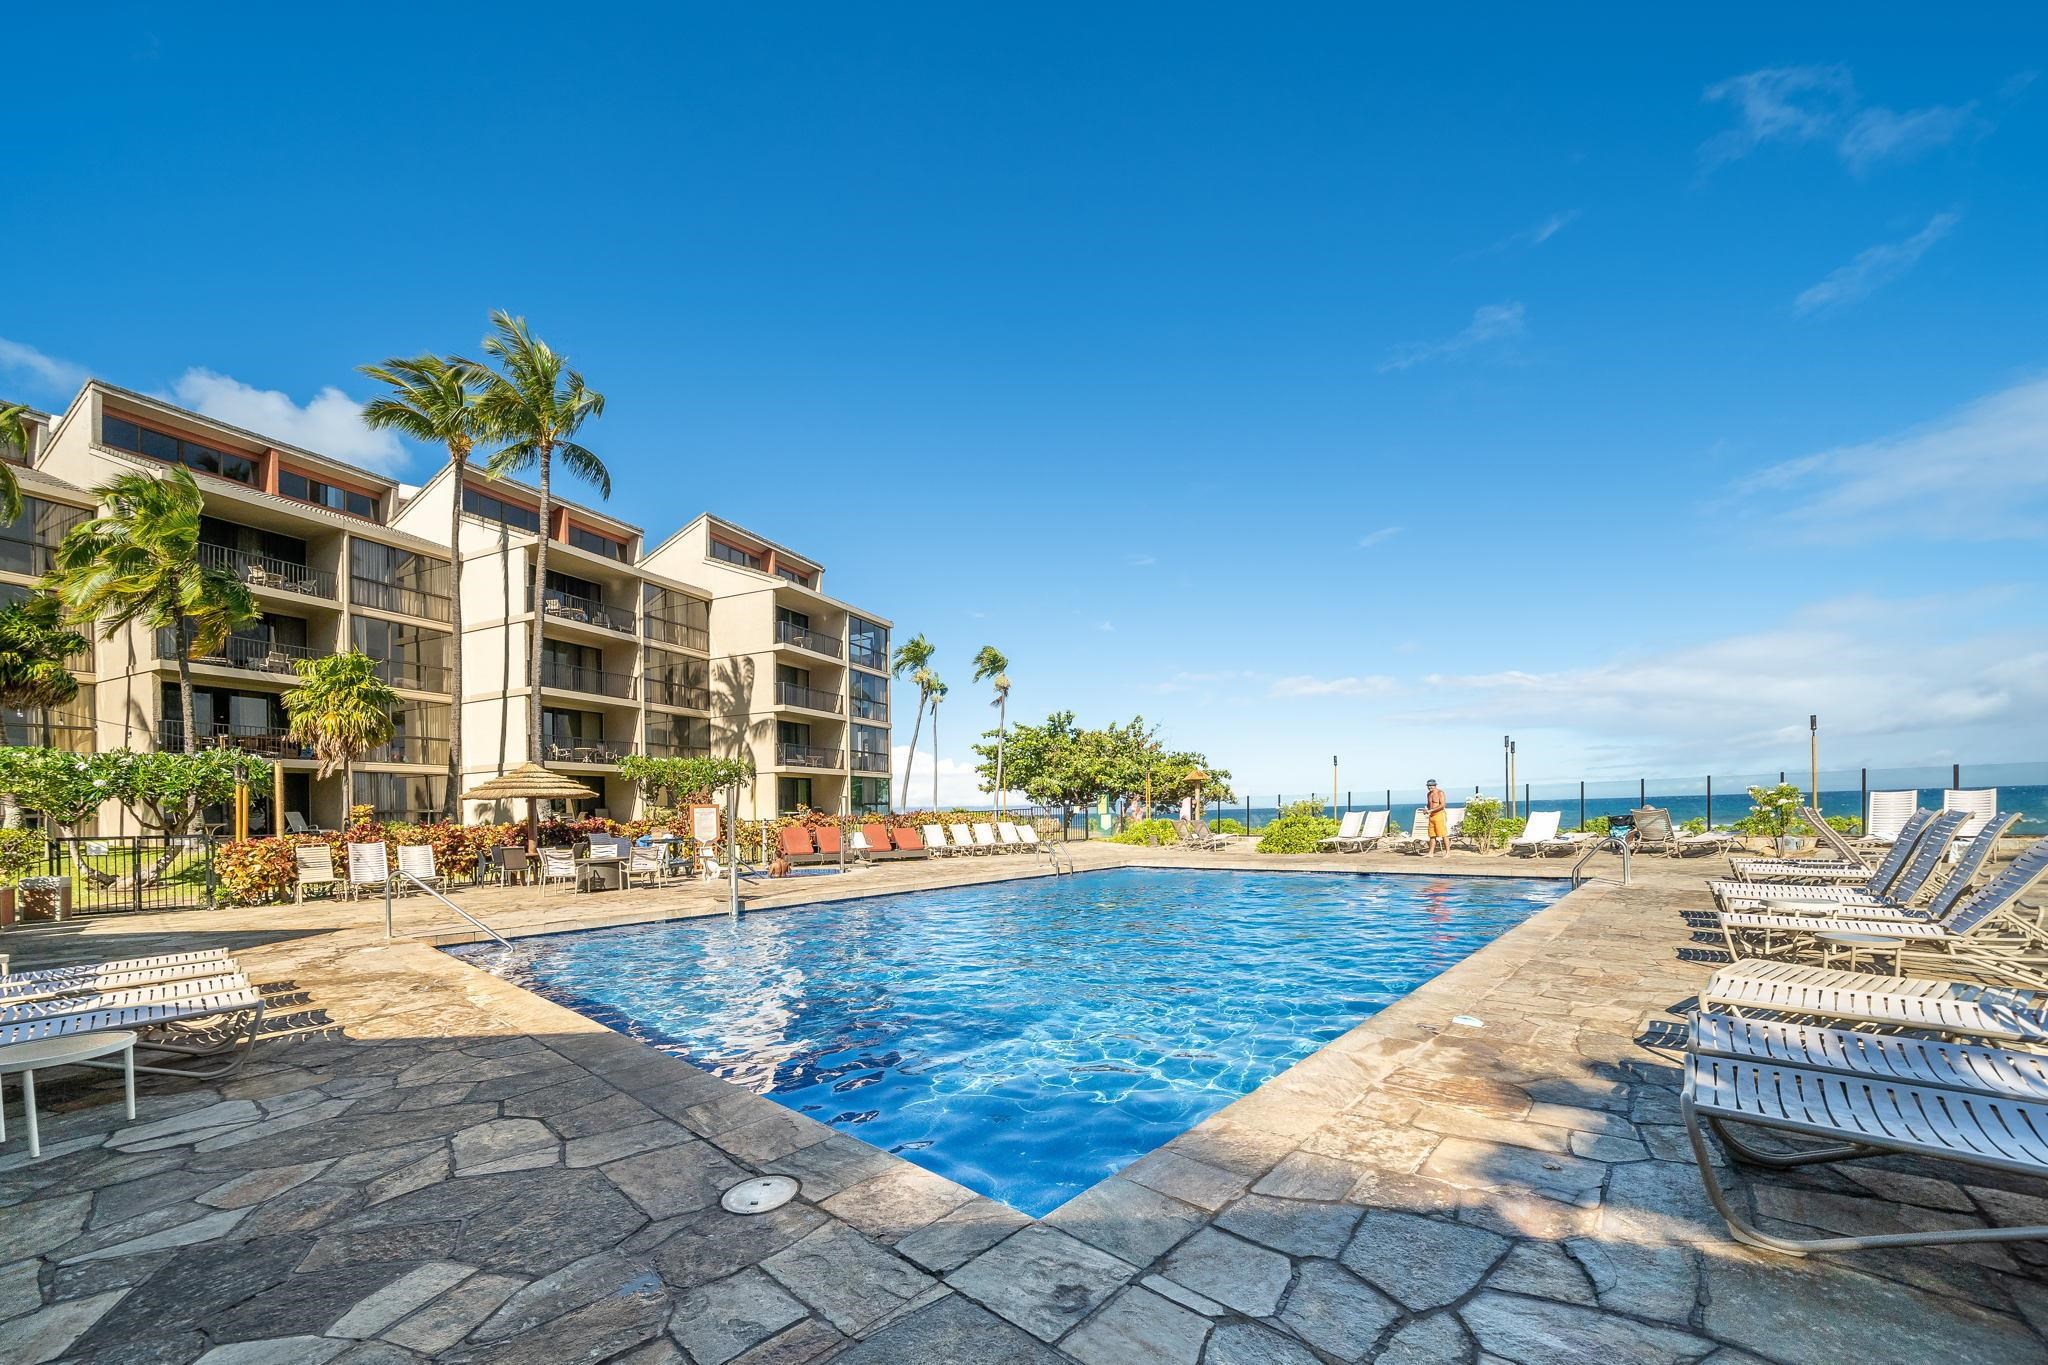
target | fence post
[
  {"x": 1642, "y": 791},
  {"x": 1525, "y": 800},
  {"x": 1390, "y": 800},
  {"x": 1582, "y": 803},
  {"x": 1863, "y": 810},
  {"x": 1347, "y": 801},
  {"x": 1710, "y": 800},
  {"x": 1955, "y": 777}
]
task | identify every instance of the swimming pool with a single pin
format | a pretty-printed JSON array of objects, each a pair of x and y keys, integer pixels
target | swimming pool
[{"x": 1030, "y": 1038}]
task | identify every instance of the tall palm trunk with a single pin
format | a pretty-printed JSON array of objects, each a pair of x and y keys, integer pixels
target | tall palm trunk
[
  {"x": 1002, "y": 732},
  {"x": 451, "y": 804},
  {"x": 184, "y": 637},
  {"x": 910, "y": 759},
  {"x": 935, "y": 753},
  {"x": 540, "y": 583}
]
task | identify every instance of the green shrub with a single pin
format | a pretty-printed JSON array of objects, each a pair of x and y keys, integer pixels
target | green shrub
[
  {"x": 1696, "y": 825},
  {"x": 23, "y": 853},
  {"x": 1599, "y": 825},
  {"x": 1773, "y": 812},
  {"x": 1153, "y": 832},
  {"x": 1845, "y": 824},
  {"x": 1484, "y": 824},
  {"x": 1298, "y": 830},
  {"x": 1509, "y": 828},
  {"x": 1227, "y": 826}
]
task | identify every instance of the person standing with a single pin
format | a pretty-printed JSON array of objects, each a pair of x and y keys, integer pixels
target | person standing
[{"x": 1439, "y": 818}]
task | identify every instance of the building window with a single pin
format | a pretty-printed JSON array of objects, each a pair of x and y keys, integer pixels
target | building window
[
  {"x": 391, "y": 579},
  {"x": 867, "y": 643},
  {"x": 870, "y": 695},
  {"x": 401, "y": 796},
  {"x": 597, "y": 544},
  {"x": 497, "y": 509},
  {"x": 406, "y": 655},
  {"x": 733, "y": 554},
  {"x": 870, "y": 795},
  {"x": 796, "y": 576},
  {"x": 678, "y": 736},
  {"x": 675, "y": 619},
  {"x": 27, "y": 542},
  {"x": 293, "y": 484},
  {"x": 122, "y": 434},
  {"x": 792, "y": 794}
]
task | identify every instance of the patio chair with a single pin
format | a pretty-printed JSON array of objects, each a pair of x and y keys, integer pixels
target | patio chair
[
  {"x": 369, "y": 868},
  {"x": 794, "y": 843},
  {"x": 1006, "y": 831},
  {"x": 295, "y": 823},
  {"x": 648, "y": 863},
  {"x": 1797, "y": 990},
  {"x": 1370, "y": 832},
  {"x": 1654, "y": 831},
  {"x": 1347, "y": 831},
  {"x": 828, "y": 843},
  {"x": 509, "y": 861},
  {"x": 315, "y": 864},
  {"x": 1979, "y": 806},
  {"x": 1826, "y": 870},
  {"x": 416, "y": 861},
  {"x": 910, "y": 842},
  {"x": 1902, "y": 866},
  {"x": 120, "y": 974},
  {"x": 985, "y": 839},
  {"x": 1198, "y": 835},
  {"x": 1885, "y": 815},
  {"x": 557, "y": 865},
  {"x": 959, "y": 837},
  {"x": 876, "y": 835},
  {"x": 1027, "y": 834},
  {"x": 194, "y": 1026},
  {"x": 1538, "y": 835},
  {"x": 1707, "y": 841},
  {"x": 1418, "y": 832}
]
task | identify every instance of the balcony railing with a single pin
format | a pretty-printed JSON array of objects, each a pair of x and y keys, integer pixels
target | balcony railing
[
  {"x": 790, "y": 633},
  {"x": 416, "y": 677},
  {"x": 791, "y": 694},
  {"x": 265, "y": 571},
  {"x": 866, "y": 708},
  {"x": 870, "y": 763},
  {"x": 662, "y": 749},
  {"x": 663, "y": 692},
  {"x": 409, "y": 749},
  {"x": 806, "y": 756},
  {"x": 666, "y": 632},
  {"x": 256, "y": 655},
  {"x": 375, "y": 592},
  {"x": 598, "y": 751},
  {"x": 587, "y": 611},
  {"x": 576, "y": 678},
  {"x": 266, "y": 741}
]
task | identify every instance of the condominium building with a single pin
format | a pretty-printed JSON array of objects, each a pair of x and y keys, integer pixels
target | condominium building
[{"x": 716, "y": 642}]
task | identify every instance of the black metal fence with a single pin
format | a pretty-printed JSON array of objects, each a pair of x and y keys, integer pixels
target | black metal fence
[{"x": 122, "y": 873}]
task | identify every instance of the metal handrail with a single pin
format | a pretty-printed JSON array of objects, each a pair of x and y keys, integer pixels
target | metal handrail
[
  {"x": 1621, "y": 845},
  {"x": 391, "y": 932}
]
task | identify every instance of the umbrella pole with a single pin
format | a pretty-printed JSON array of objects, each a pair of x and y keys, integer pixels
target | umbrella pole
[{"x": 532, "y": 828}]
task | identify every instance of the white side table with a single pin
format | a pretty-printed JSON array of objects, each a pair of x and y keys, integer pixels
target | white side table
[{"x": 28, "y": 1058}]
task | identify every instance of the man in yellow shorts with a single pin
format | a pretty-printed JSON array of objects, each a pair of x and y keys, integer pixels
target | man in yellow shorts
[{"x": 1439, "y": 819}]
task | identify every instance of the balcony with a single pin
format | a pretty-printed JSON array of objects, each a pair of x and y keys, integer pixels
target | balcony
[
  {"x": 29, "y": 730},
  {"x": 663, "y": 692},
  {"x": 662, "y": 631},
  {"x": 866, "y": 708},
  {"x": 254, "y": 654},
  {"x": 584, "y": 611},
  {"x": 381, "y": 596},
  {"x": 409, "y": 749},
  {"x": 790, "y": 694},
  {"x": 817, "y": 642},
  {"x": 263, "y": 571},
  {"x": 870, "y": 763},
  {"x": 599, "y": 751},
  {"x": 265, "y": 741},
  {"x": 576, "y": 678},
  {"x": 806, "y": 756},
  {"x": 413, "y": 676}
]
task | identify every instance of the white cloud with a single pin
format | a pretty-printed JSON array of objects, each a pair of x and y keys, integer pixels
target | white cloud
[
  {"x": 1874, "y": 268},
  {"x": 1819, "y": 104},
  {"x": 1978, "y": 473},
  {"x": 1300, "y": 685},
  {"x": 43, "y": 373},
  {"x": 959, "y": 782},
  {"x": 1105, "y": 626},
  {"x": 1372, "y": 538},
  {"x": 1537, "y": 233},
  {"x": 1143, "y": 561},
  {"x": 1884, "y": 675},
  {"x": 1495, "y": 322},
  {"x": 330, "y": 424}
]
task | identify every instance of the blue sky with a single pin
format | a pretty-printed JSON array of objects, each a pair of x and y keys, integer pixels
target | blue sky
[{"x": 1307, "y": 381}]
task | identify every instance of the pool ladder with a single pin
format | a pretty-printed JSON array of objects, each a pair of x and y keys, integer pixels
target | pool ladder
[
  {"x": 389, "y": 930},
  {"x": 1621, "y": 843},
  {"x": 1056, "y": 853}
]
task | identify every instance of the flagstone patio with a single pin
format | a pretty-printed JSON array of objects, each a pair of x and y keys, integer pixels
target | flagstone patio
[{"x": 426, "y": 1163}]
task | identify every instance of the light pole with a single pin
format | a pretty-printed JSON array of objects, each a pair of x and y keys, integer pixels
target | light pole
[
  {"x": 1507, "y": 777},
  {"x": 1511, "y": 779},
  {"x": 1813, "y": 754},
  {"x": 1333, "y": 784}
]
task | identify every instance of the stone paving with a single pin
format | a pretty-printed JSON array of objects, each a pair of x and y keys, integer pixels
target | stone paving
[{"x": 426, "y": 1163}]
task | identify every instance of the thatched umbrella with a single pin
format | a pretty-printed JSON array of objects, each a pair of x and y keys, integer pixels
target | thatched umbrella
[{"x": 533, "y": 783}]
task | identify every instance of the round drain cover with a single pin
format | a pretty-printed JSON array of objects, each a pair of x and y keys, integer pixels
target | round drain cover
[{"x": 759, "y": 1195}]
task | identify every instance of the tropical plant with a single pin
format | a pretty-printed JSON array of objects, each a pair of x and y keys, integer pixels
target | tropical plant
[
  {"x": 13, "y": 436},
  {"x": 1773, "y": 811},
  {"x": 23, "y": 853},
  {"x": 679, "y": 780},
  {"x": 1300, "y": 828},
  {"x": 536, "y": 404},
  {"x": 36, "y": 648},
  {"x": 929, "y": 686},
  {"x": 992, "y": 666},
  {"x": 913, "y": 657},
  {"x": 1485, "y": 822},
  {"x": 342, "y": 709},
  {"x": 138, "y": 562},
  {"x": 1154, "y": 833},
  {"x": 169, "y": 792},
  {"x": 1228, "y": 825},
  {"x": 66, "y": 789},
  {"x": 438, "y": 401}
]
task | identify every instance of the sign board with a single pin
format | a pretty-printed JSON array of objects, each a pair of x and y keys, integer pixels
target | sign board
[{"x": 704, "y": 825}]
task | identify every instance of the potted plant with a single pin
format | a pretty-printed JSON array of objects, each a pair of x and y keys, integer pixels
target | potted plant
[
  {"x": 23, "y": 854},
  {"x": 1774, "y": 814}
]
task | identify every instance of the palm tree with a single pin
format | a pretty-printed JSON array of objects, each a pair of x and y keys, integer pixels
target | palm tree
[
  {"x": 437, "y": 400},
  {"x": 342, "y": 709},
  {"x": 928, "y": 685},
  {"x": 991, "y": 664},
  {"x": 13, "y": 435},
  {"x": 36, "y": 648},
  {"x": 537, "y": 405},
  {"x": 138, "y": 562},
  {"x": 911, "y": 657}
]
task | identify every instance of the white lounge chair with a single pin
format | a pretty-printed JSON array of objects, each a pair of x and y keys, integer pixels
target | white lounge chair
[
  {"x": 557, "y": 865},
  {"x": 962, "y": 839},
  {"x": 935, "y": 840},
  {"x": 1454, "y": 824},
  {"x": 92, "y": 1002},
  {"x": 114, "y": 976},
  {"x": 1885, "y": 814},
  {"x": 1923, "y": 1004},
  {"x": 315, "y": 864},
  {"x": 1028, "y": 835},
  {"x": 1418, "y": 832},
  {"x": 1539, "y": 835},
  {"x": 1685, "y": 844},
  {"x": 177, "y": 1026},
  {"x": 1819, "y": 870},
  {"x": 1347, "y": 830},
  {"x": 369, "y": 868},
  {"x": 295, "y": 823},
  {"x": 1979, "y": 806},
  {"x": 1007, "y": 833},
  {"x": 1370, "y": 832},
  {"x": 416, "y": 861},
  {"x": 1899, "y": 877},
  {"x": 1795, "y": 904},
  {"x": 1847, "y": 865},
  {"x": 985, "y": 838}
]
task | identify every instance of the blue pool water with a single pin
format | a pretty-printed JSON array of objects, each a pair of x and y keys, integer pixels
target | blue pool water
[{"x": 1030, "y": 1038}]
